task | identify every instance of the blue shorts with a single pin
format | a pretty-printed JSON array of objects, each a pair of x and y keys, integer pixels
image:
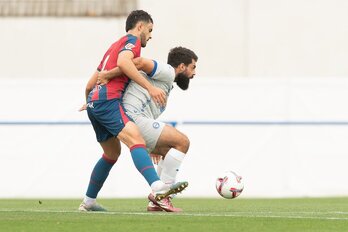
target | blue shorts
[{"x": 107, "y": 117}]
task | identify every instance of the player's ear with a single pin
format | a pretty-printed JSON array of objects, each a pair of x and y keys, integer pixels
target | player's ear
[
  {"x": 182, "y": 67},
  {"x": 139, "y": 25}
]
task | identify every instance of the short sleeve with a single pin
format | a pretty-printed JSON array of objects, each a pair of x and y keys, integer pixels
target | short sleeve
[
  {"x": 132, "y": 44},
  {"x": 162, "y": 72}
]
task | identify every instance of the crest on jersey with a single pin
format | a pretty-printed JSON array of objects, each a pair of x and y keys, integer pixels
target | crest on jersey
[
  {"x": 129, "y": 46},
  {"x": 156, "y": 125}
]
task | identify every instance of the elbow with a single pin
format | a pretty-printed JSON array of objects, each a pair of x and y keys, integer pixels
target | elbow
[
  {"x": 90, "y": 86},
  {"x": 138, "y": 62},
  {"x": 88, "y": 89}
]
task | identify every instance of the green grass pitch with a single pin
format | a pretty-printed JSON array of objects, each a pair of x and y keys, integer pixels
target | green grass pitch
[{"x": 302, "y": 214}]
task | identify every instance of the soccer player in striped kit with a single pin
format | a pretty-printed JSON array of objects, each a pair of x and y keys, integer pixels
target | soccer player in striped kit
[
  {"x": 160, "y": 139},
  {"x": 107, "y": 114}
]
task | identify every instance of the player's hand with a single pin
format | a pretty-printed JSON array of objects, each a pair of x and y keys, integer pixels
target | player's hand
[
  {"x": 158, "y": 95},
  {"x": 102, "y": 80},
  {"x": 155, "y": 158},
  {"x": 84, "y": 107}
]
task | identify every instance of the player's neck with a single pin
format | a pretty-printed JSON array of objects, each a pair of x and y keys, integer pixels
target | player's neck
[{"x": 134, "y": 33}]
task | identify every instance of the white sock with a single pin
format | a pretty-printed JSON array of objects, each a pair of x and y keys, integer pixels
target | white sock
[
  {"x": 159, "y": 167},
  {"x": 89, "y": 201},
  {"x": 171, "y": 165},
  {"x": 158, "y": 186}
]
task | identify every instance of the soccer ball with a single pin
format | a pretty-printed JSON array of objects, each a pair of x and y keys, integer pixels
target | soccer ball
[{"x": 229, "y": 185}]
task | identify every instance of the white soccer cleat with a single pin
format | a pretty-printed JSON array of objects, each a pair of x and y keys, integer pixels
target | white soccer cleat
[{"x": 94, "y": 207}]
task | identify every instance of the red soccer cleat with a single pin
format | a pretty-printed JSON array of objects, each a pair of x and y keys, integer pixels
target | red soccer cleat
[{"x": 164, "y": 204}]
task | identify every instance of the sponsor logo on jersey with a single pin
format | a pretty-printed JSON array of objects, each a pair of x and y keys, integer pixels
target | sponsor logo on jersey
[
  {"x": 129, "y": 46},
  {"x": 156, "y": 125}
]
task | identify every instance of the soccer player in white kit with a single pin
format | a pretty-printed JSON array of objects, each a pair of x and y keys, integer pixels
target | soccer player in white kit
[{"x": 160, "y": 139}]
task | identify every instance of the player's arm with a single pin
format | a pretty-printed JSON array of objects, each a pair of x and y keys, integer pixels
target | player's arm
[
  {"x": 105, "y": 76},
  {"x": 127, "y": 66},
  {"x": 89, "y": 87},
  {"x": 145, "y": 65},
  {"x": 91, "y": 83},
  {"x": 140, "y": 63}
]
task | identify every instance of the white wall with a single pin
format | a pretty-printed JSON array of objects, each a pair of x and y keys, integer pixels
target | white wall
[
  {"x": 298, "y": 38},
  {"x": 54, "y": 48},
  {"x": 275, "y": 160},
  {"x": 269, "y": 38}
]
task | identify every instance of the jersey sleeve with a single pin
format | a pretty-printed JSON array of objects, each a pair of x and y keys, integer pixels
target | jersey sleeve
[
  {"x": 162, "y": 72},
  {"x": 132, "y": 44}
]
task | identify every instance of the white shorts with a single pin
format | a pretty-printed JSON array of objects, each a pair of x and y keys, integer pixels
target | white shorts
[{"x": 150, "y": 129}]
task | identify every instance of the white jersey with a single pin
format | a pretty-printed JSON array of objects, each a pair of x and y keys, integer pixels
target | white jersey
[{"x": 137, "y": 100}]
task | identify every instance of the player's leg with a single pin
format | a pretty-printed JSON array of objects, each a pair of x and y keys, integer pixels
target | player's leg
[
  {"x": 171, "y": 138},
  {"x": 151, "y": 131},
  {"x": 111, "y": 148},
  {"x": 130, "y": 136},
  {"x": 173, "y": 144},
  {"x": 111, "y": 115}
]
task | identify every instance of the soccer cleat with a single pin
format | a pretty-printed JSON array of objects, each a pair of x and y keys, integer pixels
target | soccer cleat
[
  {"x": 95, "y": 207},
  {"x": 164, "y": 204},
  {"x": 151, "y": 207},
  {"x": 175, "y": 188}
]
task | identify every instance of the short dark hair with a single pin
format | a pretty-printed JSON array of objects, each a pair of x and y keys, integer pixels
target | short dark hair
[
  {"x": 136, "y": 16},
  {"x": 180, "y": 55}
]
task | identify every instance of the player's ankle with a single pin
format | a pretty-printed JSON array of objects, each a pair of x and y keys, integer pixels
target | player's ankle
[
  {"x": 89, "y": 201},
  {"x": 159, "y": 186}
]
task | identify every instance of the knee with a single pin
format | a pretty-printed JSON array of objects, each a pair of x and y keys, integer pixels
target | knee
[
  {"x": 112, "y": 156},
  {"x": 117, "y": 152},
  {"x": 184, "y": 143},
  {"x": 131, "y": 135}
]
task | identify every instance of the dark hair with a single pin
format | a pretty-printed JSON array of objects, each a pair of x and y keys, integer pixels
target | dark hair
[
  {"x": 136, "y": 16},
  {"x": 180, "y": 55}
]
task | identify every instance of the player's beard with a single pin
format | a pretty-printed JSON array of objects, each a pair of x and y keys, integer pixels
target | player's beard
[
  {"x": 182, "y": 81},
  {"x": 143, "y": 40}
]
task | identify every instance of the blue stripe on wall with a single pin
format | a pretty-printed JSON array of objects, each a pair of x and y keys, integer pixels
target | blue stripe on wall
[{"x": 174, "y": 123}]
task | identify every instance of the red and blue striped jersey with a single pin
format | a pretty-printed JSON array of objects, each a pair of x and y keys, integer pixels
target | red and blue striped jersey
[{"x": 116, "y": 86}]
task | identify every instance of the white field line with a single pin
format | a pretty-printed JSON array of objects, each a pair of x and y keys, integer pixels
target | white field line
[{"x": 237, "y": 214}]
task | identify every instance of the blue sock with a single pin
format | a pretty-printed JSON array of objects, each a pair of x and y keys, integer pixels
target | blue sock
[
  {"x": 100, "y": 173},
  {"x": 143, "y": 163}
]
